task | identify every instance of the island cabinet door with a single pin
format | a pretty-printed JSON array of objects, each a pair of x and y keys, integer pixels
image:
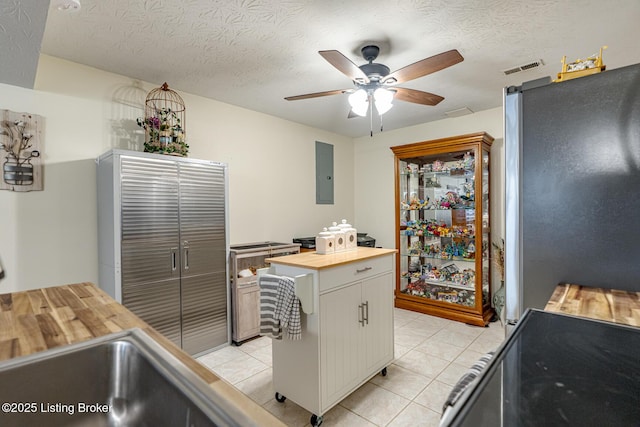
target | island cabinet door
[
  {"x": 340, "y": 342},
  {"x": 356, "y": 334},
  {"x": 377, "y": 297}
]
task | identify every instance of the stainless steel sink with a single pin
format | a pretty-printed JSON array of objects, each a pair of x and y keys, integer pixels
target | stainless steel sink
[{"x": 122, "y": 379}]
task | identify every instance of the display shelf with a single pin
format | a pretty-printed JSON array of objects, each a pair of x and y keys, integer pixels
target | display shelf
[
  {"x": 459, "y": 259},
  {"x": 448, "y": 285},
  {"x": 443, "y": 283},
  {"x": 442, "y": 227},
  {"x": 409, "y": 231},
  {"x": 464, "y": 172}
]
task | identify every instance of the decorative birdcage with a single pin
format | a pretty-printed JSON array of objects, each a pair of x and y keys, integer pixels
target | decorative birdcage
[{"x": 164, "y": 122}]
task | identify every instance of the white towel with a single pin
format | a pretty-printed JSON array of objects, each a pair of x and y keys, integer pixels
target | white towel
[{"x": 279, "y": 307}]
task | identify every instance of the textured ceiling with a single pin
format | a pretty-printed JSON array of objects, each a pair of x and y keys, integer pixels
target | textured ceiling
[
  {"x": 253, "y": 53},
  {"x": 21, "y": 28}
]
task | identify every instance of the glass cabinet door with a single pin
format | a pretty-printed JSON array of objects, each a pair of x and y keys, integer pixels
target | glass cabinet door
[
  {"x": 486, "y": 241},
  {"x": 437, "y": 227}
]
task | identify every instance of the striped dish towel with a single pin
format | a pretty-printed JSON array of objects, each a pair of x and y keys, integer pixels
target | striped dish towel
[{"x": 279, "y": 307}]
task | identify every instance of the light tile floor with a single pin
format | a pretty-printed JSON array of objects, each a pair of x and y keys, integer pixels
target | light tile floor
[{"x": 431, "y": 354}]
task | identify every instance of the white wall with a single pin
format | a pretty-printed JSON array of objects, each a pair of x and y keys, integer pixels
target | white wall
[{"x": 49, "y": 238}]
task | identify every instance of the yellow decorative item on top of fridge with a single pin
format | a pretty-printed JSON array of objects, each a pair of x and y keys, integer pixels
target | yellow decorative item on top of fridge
[{"x": 581, "y": 67}]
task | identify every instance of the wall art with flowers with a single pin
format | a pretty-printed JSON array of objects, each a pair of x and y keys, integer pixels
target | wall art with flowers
[{"x": 20, "y": 151}]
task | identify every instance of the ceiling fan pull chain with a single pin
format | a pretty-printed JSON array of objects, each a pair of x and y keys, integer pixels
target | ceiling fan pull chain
[{"x": 371, "y": 116}]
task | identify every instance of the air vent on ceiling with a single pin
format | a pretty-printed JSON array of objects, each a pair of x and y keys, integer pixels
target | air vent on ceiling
[
  {"x": 459, "y": 112},
  {"x": 525, "y": 67}
]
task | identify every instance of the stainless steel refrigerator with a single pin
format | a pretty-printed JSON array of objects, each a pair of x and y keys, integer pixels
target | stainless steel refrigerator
[{"x": 572, "y": 181}]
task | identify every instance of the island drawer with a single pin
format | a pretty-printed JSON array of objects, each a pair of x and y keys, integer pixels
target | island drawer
[{"x": 359, "y": 270}]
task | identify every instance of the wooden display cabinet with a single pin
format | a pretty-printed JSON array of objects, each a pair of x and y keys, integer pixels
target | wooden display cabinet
[{"x": 443, "y": 228}]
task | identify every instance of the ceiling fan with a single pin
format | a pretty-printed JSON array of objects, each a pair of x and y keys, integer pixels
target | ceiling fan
[{"x": 375, "y": 84}]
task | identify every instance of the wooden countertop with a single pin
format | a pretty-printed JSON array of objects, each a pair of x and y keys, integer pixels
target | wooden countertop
[
  {"x": 596, "y": 303},
  {"x": 316, "y": 261},
  {"x": 40, "y": 319}
]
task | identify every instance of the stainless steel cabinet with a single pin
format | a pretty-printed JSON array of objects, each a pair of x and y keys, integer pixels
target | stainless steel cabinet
[{"x": 163, "y": 244}]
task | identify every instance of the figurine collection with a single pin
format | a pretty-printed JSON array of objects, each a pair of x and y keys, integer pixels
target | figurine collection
[{"x": 431, "y": 227}]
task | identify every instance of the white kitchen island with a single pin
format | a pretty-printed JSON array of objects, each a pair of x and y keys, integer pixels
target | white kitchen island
[{"x": 347, "y": 334}]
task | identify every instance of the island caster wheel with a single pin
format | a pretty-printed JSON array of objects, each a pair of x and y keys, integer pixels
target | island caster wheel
[
  {"x": 280, "y": 398},
  {"x": 316, "y": 421},
  {"x": 383, "y": 372}
]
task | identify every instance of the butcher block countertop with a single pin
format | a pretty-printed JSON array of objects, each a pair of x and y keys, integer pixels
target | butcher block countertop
[
  {"x": 596, "y": 303},
  {"x": 41, "y": 319},
  {"x": 316, "y": 261}
]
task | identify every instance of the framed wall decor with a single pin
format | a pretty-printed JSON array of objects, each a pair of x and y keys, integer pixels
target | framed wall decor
[{"x": 20, "y": 151}]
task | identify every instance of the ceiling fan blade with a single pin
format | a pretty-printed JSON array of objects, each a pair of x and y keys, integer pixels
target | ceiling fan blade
[
  {"x": 424, "y": 67},
  {"x": 416, "y": 96},
  {"x": 317, "y": 94},
  {"x": 344, "y": 65}
]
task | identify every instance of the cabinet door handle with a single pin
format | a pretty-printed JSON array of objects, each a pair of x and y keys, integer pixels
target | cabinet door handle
[
  {"x": 361, "y": 314},
  {"x": 366, "y": 310},
  {"x": 362, "y": 270},
  {"x": 174, "y": 259},
  {"x": 185, "y": 246}
]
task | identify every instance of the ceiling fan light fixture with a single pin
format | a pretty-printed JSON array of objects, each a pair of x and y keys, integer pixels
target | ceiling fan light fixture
[
  {"x": 372, "y": 81},
  {"x": 359, "y": 101},
  {"x": 383, "y": 100}
]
